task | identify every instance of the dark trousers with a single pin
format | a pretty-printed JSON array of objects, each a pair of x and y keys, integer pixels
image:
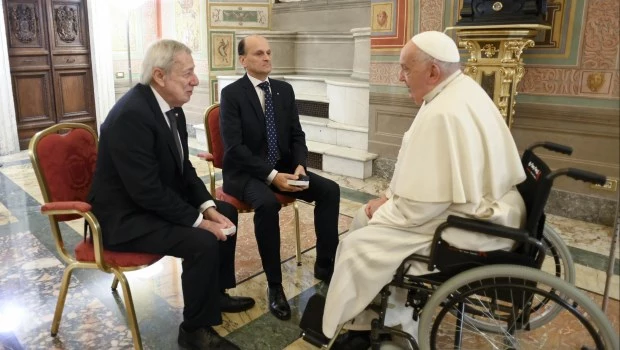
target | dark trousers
[
  {"x": 208, "y": 264},
  {"x": 324, "y": 192}
]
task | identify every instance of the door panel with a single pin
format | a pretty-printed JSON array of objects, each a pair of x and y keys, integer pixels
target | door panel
[
  {"x": 25, "y": 26},
  {"x": 50, "y": 64},
  {"x": 32, "y": 92},
  {"x": 67, "y": 30},
  {"x": 29, "y": 63},
  {"x": 73, "y": 101}
]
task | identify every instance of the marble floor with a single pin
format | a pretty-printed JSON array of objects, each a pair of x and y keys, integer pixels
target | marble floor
[{"x": 30, "y": 274}]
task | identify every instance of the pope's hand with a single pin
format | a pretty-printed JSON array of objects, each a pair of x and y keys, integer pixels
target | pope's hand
[{"x": 373, "y": 205}]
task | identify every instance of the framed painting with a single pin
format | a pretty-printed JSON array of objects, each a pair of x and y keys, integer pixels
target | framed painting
[
  {"x": 239, "y": 16},
  {"x": 215, "y": 94},
  {"x": 222, "y": 52}
]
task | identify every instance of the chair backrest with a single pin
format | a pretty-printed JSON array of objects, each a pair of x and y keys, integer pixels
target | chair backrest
[
  {"x": 214, "y": 138},
  {"x": 64, "y": 157},
  {"x": 535, "y": 192}
]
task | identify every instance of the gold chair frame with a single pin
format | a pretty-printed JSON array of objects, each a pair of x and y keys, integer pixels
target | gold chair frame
[
  {"x": 69, "y": 259},
  {"x": 212, "y": 185}
]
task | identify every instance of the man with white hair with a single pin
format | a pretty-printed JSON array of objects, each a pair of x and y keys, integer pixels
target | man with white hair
[
  {"x": 457, "y": 158},
  {"x": 148, "y": 197}
]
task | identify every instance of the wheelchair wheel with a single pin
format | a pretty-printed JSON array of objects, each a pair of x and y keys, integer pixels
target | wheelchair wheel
[
  {"x": 558, "y": 262},
  {"x": 504, "y": 295}
]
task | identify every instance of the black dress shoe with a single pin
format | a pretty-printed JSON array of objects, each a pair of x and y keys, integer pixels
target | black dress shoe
[
  {"x": 235, "y": 304},
  {"x": 203, "y": 339},
  {"x": 323, "y": 273},
  {"x": 277, "y": 303}
]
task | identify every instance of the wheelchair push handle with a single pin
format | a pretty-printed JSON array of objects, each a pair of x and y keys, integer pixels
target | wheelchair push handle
[
  {"x": 552, "y": 146},
  {"x": 578, "y": 174}
]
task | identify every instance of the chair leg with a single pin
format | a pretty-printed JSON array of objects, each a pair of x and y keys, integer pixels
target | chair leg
[
  {"x": 131, "y": 313},
  {"x": 62, "y": 296},
  {"x": 114, "y": 284},
  {"x": 297, "y": 234}
]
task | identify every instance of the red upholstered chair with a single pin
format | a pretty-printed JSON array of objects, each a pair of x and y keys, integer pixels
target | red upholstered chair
[
  {"x": 63, "y": 157},
  {"x": 215, "y": 159}
]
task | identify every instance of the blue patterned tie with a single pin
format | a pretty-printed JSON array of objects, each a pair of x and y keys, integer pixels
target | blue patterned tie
[{"x": 270, "y": 124}]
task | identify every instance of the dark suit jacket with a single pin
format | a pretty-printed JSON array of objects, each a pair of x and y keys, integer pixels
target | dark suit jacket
[
  {"x": 242, "y": 124},
  {"x": 138, "y": 185}
]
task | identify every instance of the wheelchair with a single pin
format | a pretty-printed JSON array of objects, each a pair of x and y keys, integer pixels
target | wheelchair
[{"x": 518, "y": 299}]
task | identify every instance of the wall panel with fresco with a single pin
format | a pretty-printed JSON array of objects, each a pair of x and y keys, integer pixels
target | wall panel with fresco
[{"x": 224, "y": 18}]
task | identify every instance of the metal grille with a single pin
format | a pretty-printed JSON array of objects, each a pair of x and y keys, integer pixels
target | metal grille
[
  {"x": 315, "y": 160},
  {"x": 313, "y": 108}
]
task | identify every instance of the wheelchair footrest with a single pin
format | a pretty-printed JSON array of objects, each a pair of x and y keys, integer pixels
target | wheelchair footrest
[
  {"x": 315, "y": 338},
  {"x": 311, "y": 322}
]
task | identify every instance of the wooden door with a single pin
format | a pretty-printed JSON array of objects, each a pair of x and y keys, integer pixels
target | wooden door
[{"x": 49, "y": 57}]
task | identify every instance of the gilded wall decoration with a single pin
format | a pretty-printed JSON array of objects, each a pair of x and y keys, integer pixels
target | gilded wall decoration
[
  {"x": 187, "y": 15},
  {"x": 556, "y": 47},
  {"x": 222, "y": 52},
  {"x": 600, "y": 44},
  {"x": 596, "y": 82},
  {"x": 246, "y": 16}
]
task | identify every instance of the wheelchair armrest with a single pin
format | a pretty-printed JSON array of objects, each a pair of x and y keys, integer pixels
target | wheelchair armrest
[
  {"x": 517, "y": 235},
  {"x": 489, "y": 228}
]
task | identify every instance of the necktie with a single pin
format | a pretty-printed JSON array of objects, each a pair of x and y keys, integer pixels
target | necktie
[
  {"x": 172, "y": 117},
  {"x": 270, "y": 123}
]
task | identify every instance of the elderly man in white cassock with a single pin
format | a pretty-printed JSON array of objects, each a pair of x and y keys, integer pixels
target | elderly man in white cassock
[{"x": 457, "y": 158}]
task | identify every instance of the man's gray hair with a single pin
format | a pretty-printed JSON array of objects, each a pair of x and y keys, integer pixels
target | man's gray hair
[
  {"x": 446, "y": 68},
  {"x": 160, "y": 55}
]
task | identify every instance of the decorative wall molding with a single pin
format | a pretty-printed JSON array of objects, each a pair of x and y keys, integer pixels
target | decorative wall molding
[
  {"x": 317, "y": 5},
  {"x": 570, "y": 120},
  {"x": 391, "y": 100},
  {"x": 601, "y": 35},
  {"x": 430, "y": 15}
]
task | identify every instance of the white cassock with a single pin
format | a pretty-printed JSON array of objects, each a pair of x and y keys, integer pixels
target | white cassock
[{"x": 457, "y": 158}]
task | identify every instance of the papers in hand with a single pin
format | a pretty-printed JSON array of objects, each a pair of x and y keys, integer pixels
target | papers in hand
[
  {"x": 229, "y": 231},
  {"x": 302, "y": 181}
]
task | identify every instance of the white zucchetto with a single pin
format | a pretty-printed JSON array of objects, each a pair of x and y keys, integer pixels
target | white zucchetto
[{"x": 437, "y": 45}]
